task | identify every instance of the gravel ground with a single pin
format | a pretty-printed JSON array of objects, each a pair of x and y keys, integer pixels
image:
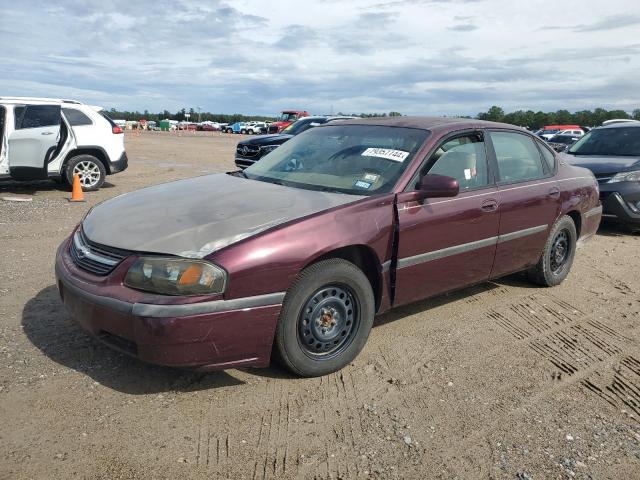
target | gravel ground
[{"x": 502, "y": 380}]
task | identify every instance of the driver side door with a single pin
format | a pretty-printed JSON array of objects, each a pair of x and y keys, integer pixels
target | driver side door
[
  {"x": 33, "y": 141},
  {"x": 449, "y": 243}
]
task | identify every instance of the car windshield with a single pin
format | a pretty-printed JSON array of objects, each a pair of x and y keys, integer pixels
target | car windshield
[
  {"x": 301, "y": 125},
  {"x": 354, "y": 159},
  {"x": 550, "y": 132},
  {"x": 288, "y": 117},
  {"x": 621, "y": 141}
]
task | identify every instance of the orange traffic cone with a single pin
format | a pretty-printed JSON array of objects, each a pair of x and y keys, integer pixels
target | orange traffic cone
[{"x": 77, "y": 195}]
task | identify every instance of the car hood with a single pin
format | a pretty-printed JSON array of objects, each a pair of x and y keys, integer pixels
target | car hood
[
  {"x": 603, "y": 164},
  {"x": 263, "y": 140},
  {"x": 195, "y": 217}
]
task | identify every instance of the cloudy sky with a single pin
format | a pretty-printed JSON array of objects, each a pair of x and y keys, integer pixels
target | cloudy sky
[{"x": 453, "y": 57}]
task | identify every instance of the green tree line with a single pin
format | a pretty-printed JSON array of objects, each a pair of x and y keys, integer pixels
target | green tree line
[{"x": 535, "y": 120}]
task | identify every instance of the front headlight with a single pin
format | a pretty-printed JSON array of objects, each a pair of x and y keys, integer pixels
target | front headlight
[
  {"x": 176, "y": 276},
  {"x": 633, "y": 176},
  {"x": 269, "y": 148}
]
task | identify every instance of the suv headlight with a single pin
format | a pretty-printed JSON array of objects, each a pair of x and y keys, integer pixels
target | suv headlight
[
  {"x": 269, "y": 148},
  {"x": 633, "y": 176},
  {"x": 176, "y": 276}
]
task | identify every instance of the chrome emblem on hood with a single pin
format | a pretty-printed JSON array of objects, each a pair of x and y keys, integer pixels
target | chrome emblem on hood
[{"x": 244, "y": 150}]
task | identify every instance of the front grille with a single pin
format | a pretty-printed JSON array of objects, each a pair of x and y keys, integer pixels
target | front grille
[
  {"x": 247, "y": 150},
  {"x": 93, "y": 257}
]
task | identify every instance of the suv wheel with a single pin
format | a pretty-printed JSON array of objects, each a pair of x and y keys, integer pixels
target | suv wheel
[
  {"x": 91, "y": 171},
  {"x": 326, "y": 318}
]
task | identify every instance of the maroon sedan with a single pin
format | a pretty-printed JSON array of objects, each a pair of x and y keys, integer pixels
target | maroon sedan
[{"x": 299, "y": 252}]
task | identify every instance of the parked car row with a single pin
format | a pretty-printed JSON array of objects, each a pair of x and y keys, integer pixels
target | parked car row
[{"x": 251, "y": 150}]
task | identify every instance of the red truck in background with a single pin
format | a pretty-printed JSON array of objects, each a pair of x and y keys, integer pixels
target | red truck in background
[{"x": 286, "y": 118}]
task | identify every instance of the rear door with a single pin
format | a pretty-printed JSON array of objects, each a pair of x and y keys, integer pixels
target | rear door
[
  {"x": 34, "y": 140},
  {"x": 529, "y": 200},
  {"x": 448, "y": 243}
]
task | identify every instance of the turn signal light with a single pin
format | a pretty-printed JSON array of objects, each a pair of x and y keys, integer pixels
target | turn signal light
[{"x": 116, "y": 129}]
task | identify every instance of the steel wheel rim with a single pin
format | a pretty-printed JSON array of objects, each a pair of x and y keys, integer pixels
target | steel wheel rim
[
  {"x": 88, "y": 172},
  {"x": 559, "y": 251},
  {"x": 328, "y": 322}
]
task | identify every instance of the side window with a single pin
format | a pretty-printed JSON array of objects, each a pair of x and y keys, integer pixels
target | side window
[
  {"x": 464, "y": 159},
  {"x": 35, "y": 116},
  {"x": 517, "y": 156},
  {"x": 76, "y": 118}
]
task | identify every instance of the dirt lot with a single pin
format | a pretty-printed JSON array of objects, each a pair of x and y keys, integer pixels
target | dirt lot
[{"x": 503, "y": 380}]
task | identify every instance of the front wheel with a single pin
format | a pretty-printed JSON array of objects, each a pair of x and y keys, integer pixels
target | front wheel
[
  {"x": 557, "y": 256},
  {"x": 90, "y": 170},
  {"x": 326, "y": 318}
]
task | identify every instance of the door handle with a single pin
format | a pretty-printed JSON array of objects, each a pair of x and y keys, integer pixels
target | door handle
[
  {"x": 489, "y": 206},
  {"x": 554, "y": 192},
  {"x": 46, "y": 133}
]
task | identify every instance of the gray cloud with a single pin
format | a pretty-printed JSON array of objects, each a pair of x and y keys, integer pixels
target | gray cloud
[
  {"x": 463, "y": 27},
  {"x": 611, "y": 22}
]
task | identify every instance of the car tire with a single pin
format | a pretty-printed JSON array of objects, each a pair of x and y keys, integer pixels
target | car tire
[
  {"x": 326, "y": 318},
  {"x": 557, "y": 257},
  {"x": 243, "y": 131},
  {"x": 91, "y": 170}
]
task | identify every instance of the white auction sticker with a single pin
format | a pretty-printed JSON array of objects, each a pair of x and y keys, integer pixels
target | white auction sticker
[{"x": 388, "y": 153}]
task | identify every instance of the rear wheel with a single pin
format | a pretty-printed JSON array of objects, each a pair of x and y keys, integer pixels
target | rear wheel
[
  {"x": 90, "y": 170},
  {"x": 326, "y": 318},
  {"x": 557, "y": 257}
]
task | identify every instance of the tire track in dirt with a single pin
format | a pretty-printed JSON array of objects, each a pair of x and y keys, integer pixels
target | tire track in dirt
[{"x": 579, "y": 346}]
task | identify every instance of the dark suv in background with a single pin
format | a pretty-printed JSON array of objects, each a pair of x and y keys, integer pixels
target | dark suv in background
[
  {"x": 612, "y": 153},
  {"x": 251, "y": 150}
]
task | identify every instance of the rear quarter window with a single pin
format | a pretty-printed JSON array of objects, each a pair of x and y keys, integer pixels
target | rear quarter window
[
  {"x": 76, "y": 118},
  {"x": 548, "y": 157}
]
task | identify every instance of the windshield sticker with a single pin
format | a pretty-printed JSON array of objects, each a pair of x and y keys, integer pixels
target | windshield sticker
[
  {"x": 362, "y": 184},
  {"x": 371, "y": 177},
  {"x": 388, "y": 153}
]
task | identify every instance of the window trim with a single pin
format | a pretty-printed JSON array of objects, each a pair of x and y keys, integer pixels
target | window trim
[
  {"x": 543, "y": 163},
  {"x": 491, "y": 172}
]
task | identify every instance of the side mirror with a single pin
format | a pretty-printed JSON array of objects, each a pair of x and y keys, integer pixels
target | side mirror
[
  {"x": 432, "y": 186},
  {"x": 435, "y": 186}
]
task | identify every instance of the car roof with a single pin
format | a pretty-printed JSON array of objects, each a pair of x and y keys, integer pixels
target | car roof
[
  {"x": 430, "y": 123},
  {"x": 31, "y": 100},
  {"x": 619, "y": 125}
]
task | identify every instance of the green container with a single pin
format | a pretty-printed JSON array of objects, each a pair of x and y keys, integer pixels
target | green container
[{"x": 165, "y": 126}]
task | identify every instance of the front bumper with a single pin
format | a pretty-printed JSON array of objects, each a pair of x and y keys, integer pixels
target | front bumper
[
  {"x": 206, "y": 336},
  {"x": 621, "y": 201},
  {"x": 119, "y": 165},
  {"x": 243, "y": 163}
]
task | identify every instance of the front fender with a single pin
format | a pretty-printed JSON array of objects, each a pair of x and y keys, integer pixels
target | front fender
[{"x": 270, "y": 261}]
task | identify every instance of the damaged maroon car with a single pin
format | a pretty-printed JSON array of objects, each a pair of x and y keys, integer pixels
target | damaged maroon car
[{"x": 298, "y": 253}]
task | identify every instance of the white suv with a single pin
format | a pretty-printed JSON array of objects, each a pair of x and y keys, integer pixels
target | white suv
[{"x": 44, "y": 138}]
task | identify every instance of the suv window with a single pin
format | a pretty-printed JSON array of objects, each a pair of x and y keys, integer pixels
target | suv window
[
  {"x": 34, "y": 116},
  {"x": 517, "y": 156},
  {"x": 464, "y": 159},
  {"x": 76, "y": 118}
]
